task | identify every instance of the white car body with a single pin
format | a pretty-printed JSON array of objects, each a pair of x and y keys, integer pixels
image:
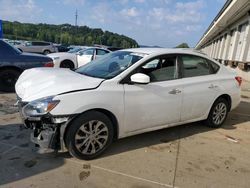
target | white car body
[
  {"x": 138, "y": 108},
  {"x": 76, "y": 59}
]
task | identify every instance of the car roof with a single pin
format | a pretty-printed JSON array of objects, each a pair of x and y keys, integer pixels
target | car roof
[{"x": 156, "y": 51}]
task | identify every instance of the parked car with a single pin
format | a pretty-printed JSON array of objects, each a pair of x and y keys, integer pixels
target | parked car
[
  {"x": 37, "y": 47},
  {"x": 15, "y": 42},
  {"x": 119, "y": 95},
  {"x": 74, "y": 60},
  {"x": 13, "y": 63}
]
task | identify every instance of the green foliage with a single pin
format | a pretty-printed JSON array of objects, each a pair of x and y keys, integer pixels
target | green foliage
[
  {"x": 65, "y": 34},
  {"x": 182, "y": 45}
]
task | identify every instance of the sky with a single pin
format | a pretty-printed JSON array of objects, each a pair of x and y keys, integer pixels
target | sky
[{"x": 165, "y": 23}]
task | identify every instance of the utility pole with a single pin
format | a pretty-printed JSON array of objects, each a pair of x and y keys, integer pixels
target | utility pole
[{"x": 76, "y": 17}]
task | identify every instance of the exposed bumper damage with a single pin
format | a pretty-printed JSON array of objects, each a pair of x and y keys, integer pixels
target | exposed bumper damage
[{"x": 48, "y": 130}]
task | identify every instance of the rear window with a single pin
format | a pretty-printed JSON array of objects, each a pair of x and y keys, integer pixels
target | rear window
[{"x": 7, "y": 49}]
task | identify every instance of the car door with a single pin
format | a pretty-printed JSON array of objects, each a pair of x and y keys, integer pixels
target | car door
[
  {"x": 33, "y": 47},
  {"x": 27, "y": 47},
  {"x": 157, "y": 103},
  {"x": 85, "y": 56},
  {"x": 200, "y": 86}
]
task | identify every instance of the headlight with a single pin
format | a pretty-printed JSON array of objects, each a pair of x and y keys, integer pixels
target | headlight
[{"x": 40, "y": 107}]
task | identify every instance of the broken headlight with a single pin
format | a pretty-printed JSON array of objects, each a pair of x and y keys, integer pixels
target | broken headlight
[{"x": 40, "y": 107}]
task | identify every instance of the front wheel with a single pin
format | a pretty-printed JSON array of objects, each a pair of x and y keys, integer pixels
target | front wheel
[
  {"x": 89, "y": 135},
  {"x": 218, "y": 113}
]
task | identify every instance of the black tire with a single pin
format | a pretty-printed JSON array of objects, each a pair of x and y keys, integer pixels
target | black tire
[
  {"x": 210, "y": 121},
  {"x": 67, "y": 64},
  {"x": 8, "y": 78},
  {"x": 74, "y": 130},
  {"x": 46, "y": 52}
]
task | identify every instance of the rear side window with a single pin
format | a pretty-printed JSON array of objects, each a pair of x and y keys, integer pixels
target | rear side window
[
  {"x": 196, "y": 66},
  {"x": 40, "y": 44}
]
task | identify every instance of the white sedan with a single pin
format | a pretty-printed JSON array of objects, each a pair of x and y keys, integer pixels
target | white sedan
[
  {"x": 127, "y": 92},
  {"x": 75, "y": 60}
]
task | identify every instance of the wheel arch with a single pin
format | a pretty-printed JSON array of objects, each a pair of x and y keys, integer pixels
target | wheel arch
[
  {"x": 109, "y": 114},
  {"x": 227, "y": 98},
  {"x": 67, "y": 61},
  {"x": 224, "y": 96}
]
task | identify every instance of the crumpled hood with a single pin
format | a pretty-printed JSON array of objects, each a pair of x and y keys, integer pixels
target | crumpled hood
[{"x": 43, "y": 82}]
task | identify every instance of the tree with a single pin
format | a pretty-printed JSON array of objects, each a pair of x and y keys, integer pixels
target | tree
[
  {"x": 182, "y": 45},
  {"x": 66, "y": 34}
]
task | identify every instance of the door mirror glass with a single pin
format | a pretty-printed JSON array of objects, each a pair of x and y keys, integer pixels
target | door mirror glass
[{"x": 140, "y": 78}]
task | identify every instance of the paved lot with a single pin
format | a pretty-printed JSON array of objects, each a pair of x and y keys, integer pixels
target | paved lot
[{"x": 191, "y": 155}]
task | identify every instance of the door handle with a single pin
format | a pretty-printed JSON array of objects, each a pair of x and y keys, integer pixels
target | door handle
[
  {"x": 174, "y": 91},
  {"x": 212, "y": 86}
]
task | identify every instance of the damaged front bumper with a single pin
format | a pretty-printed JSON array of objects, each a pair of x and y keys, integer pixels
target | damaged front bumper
[{"x": 48, "y": 131}]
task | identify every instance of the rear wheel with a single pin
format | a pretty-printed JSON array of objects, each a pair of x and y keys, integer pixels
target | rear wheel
[
  {"x": 89, "y": 135},
  {"x": 8, "y": 78},
  {"x": 218, "y": 113},
  {"x": 67, "y": 64}
]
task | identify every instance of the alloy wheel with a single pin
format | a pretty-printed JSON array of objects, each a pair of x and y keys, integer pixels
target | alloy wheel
[
  {"x": 219, "y": 113},
  {"x": 91, "y": 137}
]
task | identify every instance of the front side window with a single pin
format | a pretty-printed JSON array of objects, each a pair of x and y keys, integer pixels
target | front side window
[
  {"x": 195, "y": 66},
  {"x": 27, "y": 43},
  {"x": 74, "y": 50},
  {"x": 35, "y": 44},
  {"x": 110, "y": 65},
  {"x": 161, "y": 69},
  {"x": 101, "y": 52},
  {"x": 86, "y": 52}
]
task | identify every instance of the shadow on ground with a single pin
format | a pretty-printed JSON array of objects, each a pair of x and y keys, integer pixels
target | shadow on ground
[
  {"x": 19, "y": 159},
  {"x": 172, "y": 134}
]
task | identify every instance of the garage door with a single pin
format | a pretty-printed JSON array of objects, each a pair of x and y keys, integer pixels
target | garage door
[
  {"x": 240, "y": 44},
  {"x": 231, "y": 45}
]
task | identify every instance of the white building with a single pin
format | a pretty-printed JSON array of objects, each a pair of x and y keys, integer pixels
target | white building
[{"x": 227, "y": 39}]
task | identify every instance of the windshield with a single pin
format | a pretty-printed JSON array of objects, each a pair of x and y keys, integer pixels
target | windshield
[
  {"x": 75, "y": 50},
  {"x": 110, "y": 65}
]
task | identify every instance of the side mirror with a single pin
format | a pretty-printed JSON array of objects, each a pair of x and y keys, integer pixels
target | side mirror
[{"x": 140, "y": 78}]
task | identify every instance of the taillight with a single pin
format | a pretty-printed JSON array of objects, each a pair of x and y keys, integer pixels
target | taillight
[
  {"x": 239, "y": 80},
  {"x": 49, "y": 64}
]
